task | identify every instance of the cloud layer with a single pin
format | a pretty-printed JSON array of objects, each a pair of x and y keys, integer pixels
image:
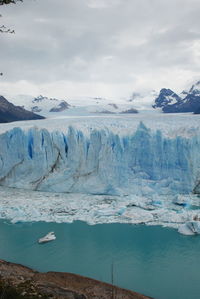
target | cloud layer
[{"x": 99, "y": 47}]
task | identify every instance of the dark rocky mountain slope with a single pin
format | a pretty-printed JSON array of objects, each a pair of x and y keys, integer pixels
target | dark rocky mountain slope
[
  {"x": 187, "y": 101},
  {"x": 10, "y": 112}
]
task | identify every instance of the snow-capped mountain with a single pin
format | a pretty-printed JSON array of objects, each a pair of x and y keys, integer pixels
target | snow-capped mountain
[
  {"x": 165, "y": 98},
  {"x": 40, "y": 104},
  {"x": 10, "y": 112},
  {"x": 104, "y": 105},
  {"x": 187, "y": 101},
  {"x": 195, "y": 89},
  {"x": 77, "y": 105}
]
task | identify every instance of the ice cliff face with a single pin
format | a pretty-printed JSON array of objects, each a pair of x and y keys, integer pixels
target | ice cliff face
[{"x": 144, "y": 163}]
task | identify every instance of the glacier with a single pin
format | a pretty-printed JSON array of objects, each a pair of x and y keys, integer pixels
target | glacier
[
  {"x": 102, "y": 170},
  {"x": 144, "y": 163}
]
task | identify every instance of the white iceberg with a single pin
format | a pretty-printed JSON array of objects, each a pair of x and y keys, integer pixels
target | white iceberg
[
  {"x": 48, "y": 238},
  {"x": 190, "y": 228}
]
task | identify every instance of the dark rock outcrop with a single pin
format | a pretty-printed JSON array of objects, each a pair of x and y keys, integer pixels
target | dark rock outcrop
[
  {"x": 36, "y": 109},
  {"x": 197, "y": 111},
  {"x": 130, "y": 111},
  {"x": 61, "y": 107},
  {"x": 113, "y": 105}
]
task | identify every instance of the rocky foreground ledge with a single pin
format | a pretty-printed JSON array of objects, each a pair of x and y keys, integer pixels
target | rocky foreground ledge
[{"x": 17, "y": 282}]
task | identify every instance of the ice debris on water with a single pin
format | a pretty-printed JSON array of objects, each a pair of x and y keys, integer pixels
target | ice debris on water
[{"x": 29, "y": 206}]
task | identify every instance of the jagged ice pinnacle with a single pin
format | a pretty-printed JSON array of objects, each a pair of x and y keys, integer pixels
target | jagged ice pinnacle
[{"x": 143, "y": 163}]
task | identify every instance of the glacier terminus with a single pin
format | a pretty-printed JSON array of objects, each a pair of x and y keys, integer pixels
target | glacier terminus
[{"x": 145, "y": 167}]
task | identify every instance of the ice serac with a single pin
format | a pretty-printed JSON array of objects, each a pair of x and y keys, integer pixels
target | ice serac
[{"x": 144, "y": 163}]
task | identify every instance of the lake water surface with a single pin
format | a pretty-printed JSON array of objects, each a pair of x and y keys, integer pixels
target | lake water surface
[{"x": 152, "y": 260}]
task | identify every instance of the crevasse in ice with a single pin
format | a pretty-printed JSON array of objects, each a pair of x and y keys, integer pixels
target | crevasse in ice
[{"x": 143, "y": 163}]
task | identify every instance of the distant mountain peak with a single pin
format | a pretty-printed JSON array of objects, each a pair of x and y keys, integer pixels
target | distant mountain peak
[
  {"x": 187, "y": 101},
  {"x": 60, "y": 107},
  {"x": 195, "y": 89},
  {"x": 9, "y": 112},
  {"x": 166, "y": 97},
  {"x": 40, "y": 104},
  {"x": 41, "y": 98}
]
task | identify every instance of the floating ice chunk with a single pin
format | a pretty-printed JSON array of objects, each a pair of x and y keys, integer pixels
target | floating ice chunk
[
  {"x": 190, "y": 228},
  {"x": 93, "y": 209},
  {"x": 48, "y": 238}
]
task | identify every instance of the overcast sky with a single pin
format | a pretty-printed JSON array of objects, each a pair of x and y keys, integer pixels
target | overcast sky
[{"x": 66, "y": 48}]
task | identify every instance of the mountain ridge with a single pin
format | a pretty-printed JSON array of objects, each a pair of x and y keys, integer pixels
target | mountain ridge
[
  {"x": 187, "y": 101},
  {"x": 10, "y": 112}
]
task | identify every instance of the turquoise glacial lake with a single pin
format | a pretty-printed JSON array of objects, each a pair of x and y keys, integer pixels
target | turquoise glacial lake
[{"x": 155, "y": 261}]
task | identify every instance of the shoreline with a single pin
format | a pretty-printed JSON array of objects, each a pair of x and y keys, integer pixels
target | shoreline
[{"x": 28, "y": 283}]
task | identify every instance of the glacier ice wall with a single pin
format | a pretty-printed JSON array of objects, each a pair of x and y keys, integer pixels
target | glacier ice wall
[{"x": 144, "y": 163}]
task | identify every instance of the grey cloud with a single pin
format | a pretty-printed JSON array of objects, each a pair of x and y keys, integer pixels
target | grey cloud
[{"x": 72, "y": 39}]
